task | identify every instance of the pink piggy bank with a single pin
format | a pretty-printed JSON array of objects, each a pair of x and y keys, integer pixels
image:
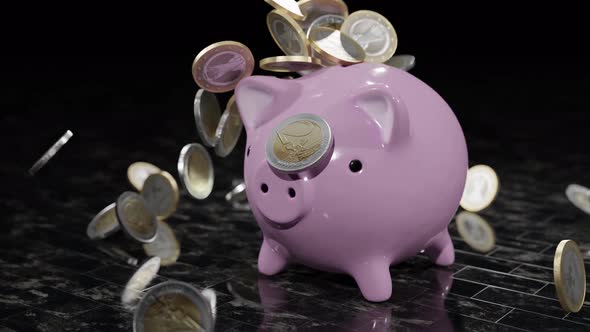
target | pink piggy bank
[{"x": 350, "y": 170}]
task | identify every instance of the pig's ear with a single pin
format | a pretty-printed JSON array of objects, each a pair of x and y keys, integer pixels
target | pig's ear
[
  {"x": 262, "y": 98},
  {"x": 387, "y": 110}
]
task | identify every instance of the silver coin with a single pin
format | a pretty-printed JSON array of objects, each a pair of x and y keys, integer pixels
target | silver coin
[
  {"x": 331, "y": 21},
  {"x": 136, "y": 218},
  {"x": 103, "y": 224},
  {"x": 403, "y": 62},
  {"x": 476, "y": 231},
  {"x": 173, "y": 306},
  {"x": 579, "y": 196},
  {"x": 118, "y": 254},
  {"x": 287, "y": 33},
  {"x": 160, "y": 191},
  {"x": 237, "y": 197},
  {"x": 207, "y": 114},
  {"x": 569, "y": 275},
  {"x": 51, "y": 152},
  {"x": 229, "y": 130},
  {"x": 196, "y": 172},
  {"x": 298, "y": 143},
  {"x": 139, "y": 281},
  {"x": 165, "y": 246},
  {"x": 374, "y": 33}
]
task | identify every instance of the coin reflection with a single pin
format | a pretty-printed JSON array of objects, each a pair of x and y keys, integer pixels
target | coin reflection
[{"x": 172, "y": 312}]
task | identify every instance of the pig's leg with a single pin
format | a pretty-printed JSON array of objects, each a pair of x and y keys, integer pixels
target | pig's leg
[
  {"x": 373, "y": 279},
  {"x": 270, "y": 261},
  {"x": 440, "y": 249}
]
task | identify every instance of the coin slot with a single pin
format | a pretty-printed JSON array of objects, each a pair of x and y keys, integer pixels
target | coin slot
[
  {"x": 355, "y": 166},
  {"x": 264, "y": 188},
  {"x": 248, "y": 152},
  {"x": 292, "y": 193}
]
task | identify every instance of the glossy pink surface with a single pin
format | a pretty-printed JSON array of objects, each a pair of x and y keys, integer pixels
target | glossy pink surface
[{"x": 414, "y": 164}]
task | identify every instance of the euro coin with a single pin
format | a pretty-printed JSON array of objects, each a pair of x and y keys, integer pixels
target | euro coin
[
  {"x": 335, "y": 47},
  {"x": 229, "y": 129},
  {"x": 287, "y": 33},
  {"x": 313, "y": 9},
  {"x": 50, "y": 153},
  {"x": 481, "y": 188},
  {"x": 139, "y": 281},
  {"x": 220, "y": 67},
  {"x": 195, "y": 169},
  {"x": 136, "y": 218},
  {"x": 373, "y": 32},
  {"x": 103, "y": 224},
  {"x": 160, "y": 191},
  {"x": 403, "y": 62},
  {"x": 173, "y": 306},
  {"x": 328, "y": 21},
  {"x": 207, "y": 114},
  {"x": 569, "y": 275},
  {"x": 293, "y": 63},
  {"x": 476, "y": 231},
  {"x": 579, "y": 196},
  {"x": 237, "y": 197},
  {"x": 165, "y": 245},
  {"x": 290, "y": 6},
  {"x": 138, "y": 172}
]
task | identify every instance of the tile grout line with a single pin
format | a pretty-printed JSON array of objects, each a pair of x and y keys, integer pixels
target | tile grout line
[
  {"x": 505, "y": 315},
  {"x": 476, "y": 294},
  {"x": 504, "y": 288},
  {"x": 538, "y": 290},
  {"x": 506, "y": 273},
  {"x": 503, "y": 259},
  {"x": 461, "y": 269},
  {"x": 514, "y": 269}
]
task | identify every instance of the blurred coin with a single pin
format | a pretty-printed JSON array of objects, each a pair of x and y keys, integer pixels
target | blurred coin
[
  {"x": 287, "y": 33},
  {"x": 165, "y": 245},
  {"x": 237, "y": 197},
  {"x": 335, "y": 47},
  {"x": 220, "y": 66},
  {"x": 136, "y": 218},
  {"x": 403, "y": 62},
  {"x": 139, "y": 281},
  {"x": 579, "y": 196},
  {"x": 481, "y": 187},
  {"x": 51, "y": 152},
  {"x": 291, "y": 63},
  {"x": 328, "y": 21},
  {"x": 138, "y": 172},
  {"x": 210, "y": 295},
  {"x": 313, "y": 9},
  {"x": 173, "y": 306},
  {"x": 207, "y": 114},
  {"x": 160, "y": 191},
  {"x": 229, "y": 129},
  {"x": 195, "y": 169},
  {"x": 570, "y": 276},
  {"x": 290, "y": 6},
  {"x": 373, "y": 32},
  {"x": 103, "y": 224},
  {"x": 119, "y": 254},
  {"x": 476, "y": 232}
]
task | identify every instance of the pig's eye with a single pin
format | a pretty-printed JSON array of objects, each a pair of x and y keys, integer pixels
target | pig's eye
[
  {"x": 248, "y": 152},
  {"x": 355, "y": 166}
]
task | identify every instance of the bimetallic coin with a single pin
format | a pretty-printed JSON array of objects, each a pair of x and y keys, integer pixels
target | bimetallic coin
[
  {"x": 229, "y": 129},
  {"x": 570, "y": 276},
  {"x": 476, "y": 232},
  {"x": 335, "y": 47},
  {"x": 195, "y": 169},
  {"x": 313, "y": 9},
  {"x": 481, "y": 188},
  {"x": 373, "y": 32},
  {"x": 165, "y": 245},
  {"x": 287, "y": 33},
  {"x": 103, "y": 224},
  {"x": 298, "y": 143},
  {"x": 403, "y": 62},
  {"x": 51, "y": 152},
  {"x": 161, "y": 194},
  {"x": 207, "y": 114},
  {"x": 220, "y": 66},
  {"x": 136, "y": 218},
  {"x": 139, "y": 281},
  {"x": 292, "y": 63},
  {"x": 237, "y": 197},
  {"x": 328, "y": 21},
  {"x": 579, "y": 196},
  {"x": 290, "y": 6},
  {"x": 173, "y": 306},
  {"x": 138, "y": 172}
]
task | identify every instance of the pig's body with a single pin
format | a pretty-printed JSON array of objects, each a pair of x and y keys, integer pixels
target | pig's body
[{"x": 414, "y": 164}]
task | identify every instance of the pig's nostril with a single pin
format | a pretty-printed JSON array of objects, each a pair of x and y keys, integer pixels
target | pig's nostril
[
  {"x": 264, "y": 188},
  {"x": 292, "y": 192}
]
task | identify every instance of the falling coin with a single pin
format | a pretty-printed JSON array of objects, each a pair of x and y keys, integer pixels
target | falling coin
[
  {"x": 229, "y": 129},
  {"x": 313, "y": 9},
  {"x": 161, "y": 194},
  {"x": 290, "y": 6},
  {"x": 219, "y": 67},
  {"x": 103, "y": 224},
  {"x": 287, "y": 33},
  {"x": 237, "y": 197},
  {"x": 579, "y": 196},
  {"x": 374, "y": 33},
  {"x": 476, "y": 232},
  {"x": 403, "y": 62},
  {"x": 165, "y": 245},
  {"x": 195, "y": 169},
  {"x": 207, "y": 114},
  {"x": 481, "y": 188},
  {"x": 335, "y": 47},
  {"x": 51, "y": 152},
  {"x": 173, "y": 306},
  {"x": 138, "y": 172},
  {"x": 328, "y": 21},
  {"x": 139, "y": 281},
  {"x": 570, "y": 276},
  {"x": 136, "y": 218},
  {"x": 292, "y": 63}
]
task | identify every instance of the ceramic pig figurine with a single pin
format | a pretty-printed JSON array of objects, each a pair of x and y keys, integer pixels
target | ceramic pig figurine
[{"x": 350, "y": 170}]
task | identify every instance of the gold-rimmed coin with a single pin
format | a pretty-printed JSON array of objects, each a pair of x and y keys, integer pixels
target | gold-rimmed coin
[
  {"x": 229, "y": 129},
  {"x": 160, "y": 191},
  {"x": 570, "y": 276},
  {"x": 335, "y": 47},
  {"x": 476, "y": 231},
  {"x": 373, "y": 32},
  {"x": 139, "y": 171},
  {"x": 290, "y": 6},
  {"x": 287, "y": 33},
  {"x": 103, "y": 224},
  {"x": 136, "y": 218},
  {"x": 481, "y": 188},
  {"x": 207, "y": 113},
  {"x": 312, "y": 9},
  {"x": 195, "y": 169},
  {"x": 290, "y": 63},
  {"x": 165, "y": 246},
  {"x": 220, "y": 66},
  {"x": 329, "y": 21}
]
